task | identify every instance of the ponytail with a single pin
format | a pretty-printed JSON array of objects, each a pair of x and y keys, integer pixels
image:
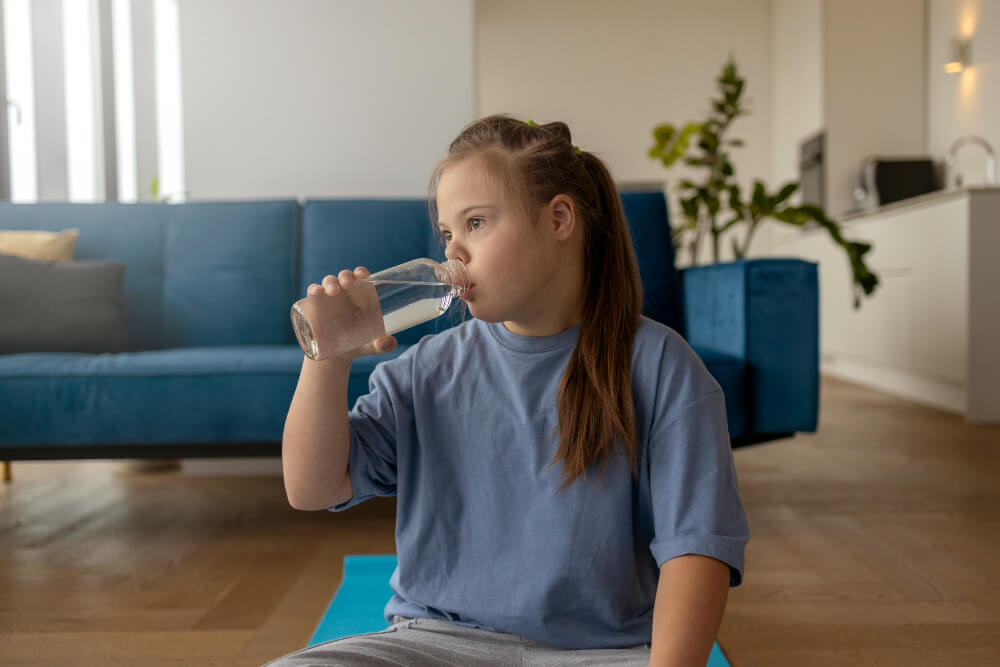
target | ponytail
[
  {"x": 535, "y": 163},
  {"x": 595, "y": 397}
]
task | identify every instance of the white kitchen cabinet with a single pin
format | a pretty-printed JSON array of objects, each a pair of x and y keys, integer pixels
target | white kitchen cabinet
[{"x": 931, "y": 333}]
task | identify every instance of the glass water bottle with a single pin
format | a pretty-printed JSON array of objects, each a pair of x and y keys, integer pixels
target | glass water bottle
[{"x": 381, "y": 304}]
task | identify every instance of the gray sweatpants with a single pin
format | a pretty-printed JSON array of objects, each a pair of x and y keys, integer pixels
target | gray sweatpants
[{"x": 425, "y": 642}]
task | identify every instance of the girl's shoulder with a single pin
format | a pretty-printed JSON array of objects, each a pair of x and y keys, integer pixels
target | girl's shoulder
[
  {"x": 664, "y": 363},
  {"x": 654, "y": 337}
]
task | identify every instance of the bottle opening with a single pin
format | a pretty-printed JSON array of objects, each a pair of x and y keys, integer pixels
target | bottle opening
[{"x": 457, "y": 276}]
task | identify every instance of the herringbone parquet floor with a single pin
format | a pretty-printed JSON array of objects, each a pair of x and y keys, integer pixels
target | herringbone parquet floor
[{"x": 875, "y": 541}]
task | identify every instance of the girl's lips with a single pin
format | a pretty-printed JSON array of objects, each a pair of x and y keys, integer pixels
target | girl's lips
[{"x": 467, "y": 291}]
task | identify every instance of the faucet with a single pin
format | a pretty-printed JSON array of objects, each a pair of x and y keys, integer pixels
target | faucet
[{"x": 991, "y": 158}]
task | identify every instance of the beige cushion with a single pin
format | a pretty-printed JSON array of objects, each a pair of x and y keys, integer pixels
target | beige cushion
[{"x": 53, "y": 246}]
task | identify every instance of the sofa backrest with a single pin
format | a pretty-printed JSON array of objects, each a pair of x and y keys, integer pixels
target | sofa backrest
[
  {"x": 649, "y": 223},
  {"x": 199, "y": 274},
  {"x": 375, "y": 233},
  {"x": 225, "y": 273},
  {"x": 378, "y": 233}
]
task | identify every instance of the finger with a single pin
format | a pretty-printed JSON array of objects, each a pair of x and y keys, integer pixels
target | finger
[
  {"x": 346, "y": 278},
  {"x": 331, "y": 285},
  {"x": 361, "y": 272},
  {"x": 313, "y": 289}
]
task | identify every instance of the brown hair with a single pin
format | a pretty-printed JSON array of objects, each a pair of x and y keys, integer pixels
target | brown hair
[{"x": 534, "y": 163}]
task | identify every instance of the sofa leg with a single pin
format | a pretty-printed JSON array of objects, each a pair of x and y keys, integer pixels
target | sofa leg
[{"x": 6, "y": 471}]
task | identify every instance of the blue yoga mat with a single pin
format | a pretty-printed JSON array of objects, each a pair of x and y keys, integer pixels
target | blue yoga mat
[{"x": 359, "y": 604}]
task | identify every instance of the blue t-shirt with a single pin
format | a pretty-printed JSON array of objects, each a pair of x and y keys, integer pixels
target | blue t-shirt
[{"x": 462, "y": 427}]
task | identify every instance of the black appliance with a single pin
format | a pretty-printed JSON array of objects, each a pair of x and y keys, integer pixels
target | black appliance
[{"x": 885, "y": 180}]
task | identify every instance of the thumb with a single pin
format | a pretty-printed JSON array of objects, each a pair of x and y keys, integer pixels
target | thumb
[{"x": 385, "y": 344}]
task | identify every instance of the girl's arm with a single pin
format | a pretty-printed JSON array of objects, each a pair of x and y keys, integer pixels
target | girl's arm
[
  {"x": 690, "y": 600},
  {"x": 316, "y": 442}
]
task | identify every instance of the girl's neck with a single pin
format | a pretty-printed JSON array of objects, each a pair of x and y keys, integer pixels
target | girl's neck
[
  {"x": 555, "y": 309},
  {"x": 550, "y": 328}
]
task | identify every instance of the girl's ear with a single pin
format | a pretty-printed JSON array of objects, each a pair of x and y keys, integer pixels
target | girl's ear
[{"x": 562, "y": 213}]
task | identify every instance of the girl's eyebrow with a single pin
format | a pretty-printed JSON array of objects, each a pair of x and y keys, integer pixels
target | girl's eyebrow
[{"x": 470, "y": 208}]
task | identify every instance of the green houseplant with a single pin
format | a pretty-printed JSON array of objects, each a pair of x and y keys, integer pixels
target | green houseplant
[{"x": 716, "y": 204}]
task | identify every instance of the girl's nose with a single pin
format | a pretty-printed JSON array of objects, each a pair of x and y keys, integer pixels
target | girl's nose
[{"x": 456, "y": 251}]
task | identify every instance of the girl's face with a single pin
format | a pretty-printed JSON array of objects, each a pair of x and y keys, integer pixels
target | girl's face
[{"x": 511, "y": 260}]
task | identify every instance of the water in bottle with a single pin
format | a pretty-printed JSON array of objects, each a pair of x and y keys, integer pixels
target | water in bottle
[{"x": 384, "y": 303}]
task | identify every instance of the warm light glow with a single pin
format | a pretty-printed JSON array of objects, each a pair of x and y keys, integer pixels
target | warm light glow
[
  {"x": 953, "y": 67},
  {"x": 967, "y": 22},
  {"x": 967, "y": 88}
]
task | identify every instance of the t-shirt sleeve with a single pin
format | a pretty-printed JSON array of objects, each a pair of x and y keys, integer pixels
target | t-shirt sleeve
[
  {"x": 377, "y": 421},
  {"x": 696, "y": 506}
]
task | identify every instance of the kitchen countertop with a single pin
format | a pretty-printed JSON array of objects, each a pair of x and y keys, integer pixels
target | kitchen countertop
[{"x": 920, "y": 200}]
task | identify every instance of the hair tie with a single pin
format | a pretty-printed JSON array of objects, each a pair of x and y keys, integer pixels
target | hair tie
[{"x": 534, "y": 124}]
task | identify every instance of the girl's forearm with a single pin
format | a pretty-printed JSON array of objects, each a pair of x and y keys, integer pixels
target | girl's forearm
[
  {"x": 690, "y": 600},
  {"x": 316, "y": 441}
]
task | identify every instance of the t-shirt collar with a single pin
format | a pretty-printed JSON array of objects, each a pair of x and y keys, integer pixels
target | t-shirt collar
[{"x": 562, "y": 340}]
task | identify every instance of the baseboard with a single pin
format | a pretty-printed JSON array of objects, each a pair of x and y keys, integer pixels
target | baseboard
[{"x": 898, "y": 382}]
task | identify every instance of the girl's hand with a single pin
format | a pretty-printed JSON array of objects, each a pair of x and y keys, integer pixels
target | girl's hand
[{"x": 341, "y": 284}]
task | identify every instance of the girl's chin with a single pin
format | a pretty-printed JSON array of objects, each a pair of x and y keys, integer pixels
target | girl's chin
[{"x": 482, "y": 314}]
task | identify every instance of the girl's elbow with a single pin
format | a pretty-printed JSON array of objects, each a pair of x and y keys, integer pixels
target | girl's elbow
[{"x": 303, "y": 502}]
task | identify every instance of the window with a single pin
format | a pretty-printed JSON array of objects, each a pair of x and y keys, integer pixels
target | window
[
  {"x": 17, "y": 60},
  {"x": 83, "y": 127}
]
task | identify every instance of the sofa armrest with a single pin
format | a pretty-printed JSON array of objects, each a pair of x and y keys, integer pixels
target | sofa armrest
[{"x": 766, "y": 312}]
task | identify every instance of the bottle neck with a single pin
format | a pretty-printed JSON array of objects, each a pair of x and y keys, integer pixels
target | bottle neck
[{"x": 456, "y": 275}]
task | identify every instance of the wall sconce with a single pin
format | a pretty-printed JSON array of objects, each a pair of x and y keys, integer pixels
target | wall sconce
[{"x": 960, "y": 55}]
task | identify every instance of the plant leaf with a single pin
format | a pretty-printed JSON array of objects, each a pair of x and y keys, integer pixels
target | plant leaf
[
  {"x": 786, "y": 192},
  {"x": 663, "y": 133}
]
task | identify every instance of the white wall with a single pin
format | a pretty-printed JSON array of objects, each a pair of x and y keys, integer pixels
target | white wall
[
  {"x": 613, "y": 71},
  {"x": 964, "y": 103},
  {"x": 796, "y": 62},
  {"x": 312, "y": 98},
  {"x": 856, "y": 70},
  {"x": 875, "y": 95}
]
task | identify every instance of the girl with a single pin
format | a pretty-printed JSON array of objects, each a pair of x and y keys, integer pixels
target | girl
[{"x": 564, "y": 480}]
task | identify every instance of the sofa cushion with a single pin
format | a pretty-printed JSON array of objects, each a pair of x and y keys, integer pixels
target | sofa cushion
[
  {"x": 34, "y": 244},
  {"x": 72, "y": 306},
  {"x": 731, "y": 374},
  {"x": 199, "y": 274},
  {"x": 206, "y": 394}
]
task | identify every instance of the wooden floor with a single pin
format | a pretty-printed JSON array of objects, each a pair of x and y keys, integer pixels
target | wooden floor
[{"x": 874, "y": 542}]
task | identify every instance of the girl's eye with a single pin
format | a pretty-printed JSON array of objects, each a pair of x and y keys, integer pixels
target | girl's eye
[{"x": 474, "y": 224}]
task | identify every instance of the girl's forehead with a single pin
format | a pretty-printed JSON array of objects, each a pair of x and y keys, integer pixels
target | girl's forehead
[{"x": 468, "y": 179}]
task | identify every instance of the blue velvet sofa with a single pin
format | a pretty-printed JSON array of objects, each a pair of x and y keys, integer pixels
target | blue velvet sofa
[{"x": 213, "y": 360}]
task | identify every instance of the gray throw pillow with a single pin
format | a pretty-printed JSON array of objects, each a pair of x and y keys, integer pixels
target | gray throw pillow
[{"x": 68, "y": 306}]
